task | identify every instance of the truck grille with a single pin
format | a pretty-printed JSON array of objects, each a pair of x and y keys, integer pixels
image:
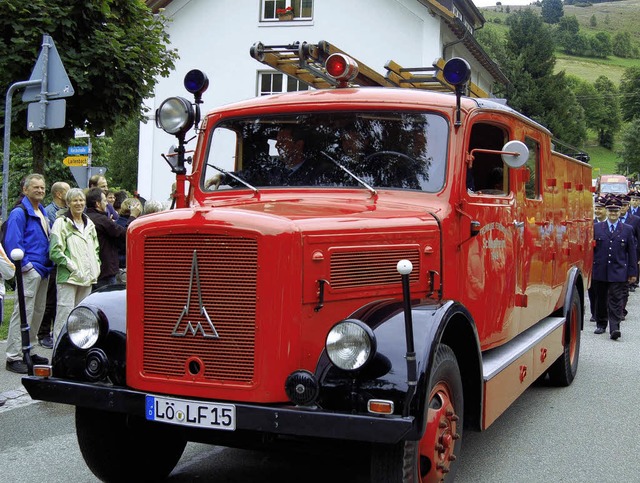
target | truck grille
[
  {"x": 227, "y": 273},
  {"x": 351, "y": 269}
]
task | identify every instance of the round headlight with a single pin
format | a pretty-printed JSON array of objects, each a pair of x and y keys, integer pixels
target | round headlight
[
  {"x": 175, "y": 115},
  {"x": 83, "y": 327},
  {"x": 350, "y": 344}
]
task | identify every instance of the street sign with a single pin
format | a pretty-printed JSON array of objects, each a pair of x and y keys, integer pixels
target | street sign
[
  {"x": 55, "y": 113},
  {"x": 76, "y": 160},
  {"x": 82, "y": 174},
  {"x": 49, "y": 66},
  {"x": 78, "y": 150}
]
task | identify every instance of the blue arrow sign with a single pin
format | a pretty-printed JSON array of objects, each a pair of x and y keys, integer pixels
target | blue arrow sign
[{"x": 78, "y": 150}]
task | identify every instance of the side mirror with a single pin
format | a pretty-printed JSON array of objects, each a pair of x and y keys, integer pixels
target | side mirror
[{"x": 515, "y": 154}]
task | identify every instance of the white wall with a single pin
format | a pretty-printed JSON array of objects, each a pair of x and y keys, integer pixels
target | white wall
[{"x": 215, "y": 36}]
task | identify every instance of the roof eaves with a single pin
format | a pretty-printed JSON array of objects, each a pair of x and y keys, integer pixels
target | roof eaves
[
  {"x": 156, "y": 5},
  {"x": 463, "y": 34}
]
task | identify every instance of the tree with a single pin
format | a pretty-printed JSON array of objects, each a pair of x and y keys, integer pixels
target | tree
[
  {"x": 600, "y": 102},
  {"x": 621, "y": 45},
  {"x": 552, "y": 11},
  {"x": 113, "y": 50},
  {"x": 630, "y": 90},
  {"x": 593, "y": 22},
  {"x": 528, "y": 61},
  {"x": 601, "y": 45},
  {"x": 630, "y": 152},
  {"x": 609, "y": 123},
  {"x": 123, "y": 164}
]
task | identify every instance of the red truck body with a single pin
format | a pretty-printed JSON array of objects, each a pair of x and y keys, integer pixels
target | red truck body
[{"x": 231, "y": 299}]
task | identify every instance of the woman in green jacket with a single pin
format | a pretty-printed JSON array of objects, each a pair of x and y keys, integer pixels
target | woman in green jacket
[{"x": 74, "y": 248}]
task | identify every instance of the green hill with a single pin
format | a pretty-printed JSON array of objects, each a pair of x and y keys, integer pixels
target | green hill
[{"x": 611, "y": 17}]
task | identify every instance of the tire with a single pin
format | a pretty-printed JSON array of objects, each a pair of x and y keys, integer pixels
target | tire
[
  {"x": 434, "y": 457},
  {"x": 563, "y": 371},
  {"x": 117, "y": 447}
]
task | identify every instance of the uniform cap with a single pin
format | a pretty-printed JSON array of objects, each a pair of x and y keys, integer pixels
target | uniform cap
[
  {"x": 600, "y": 201},
  {"x": 613, "y": 204},
  {"x": 624, "y": 199},
  {"x": 634, "y": 195}
]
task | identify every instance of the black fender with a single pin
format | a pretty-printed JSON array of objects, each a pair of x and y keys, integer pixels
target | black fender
[
  {"x": 386, "y": 376},
  {"x": 70, "y": 362},
  {"x": 575, "y": 281}
]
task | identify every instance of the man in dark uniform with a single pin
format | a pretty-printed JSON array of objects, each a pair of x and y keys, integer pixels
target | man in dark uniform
[
  {"x": 634, "y": 220},
  {"x": 615, "y": 264},
  {"x": 600, "y": 213},
  {"x": 634, "y": 207}
]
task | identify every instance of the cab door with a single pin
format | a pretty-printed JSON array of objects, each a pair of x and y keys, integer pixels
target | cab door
[{"x": 490, "y": 258}]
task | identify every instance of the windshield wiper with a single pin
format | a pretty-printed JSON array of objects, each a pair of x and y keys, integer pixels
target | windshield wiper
[
  {"x": 362, "y": 182},
  {"x": 237, "y": 178}
]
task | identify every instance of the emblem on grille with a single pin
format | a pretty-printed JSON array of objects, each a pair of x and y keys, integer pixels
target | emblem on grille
[{"x": 184, "y": 326}]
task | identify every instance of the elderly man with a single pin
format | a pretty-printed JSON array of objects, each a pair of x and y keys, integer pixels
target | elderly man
[{"x": 28, "y": 229}]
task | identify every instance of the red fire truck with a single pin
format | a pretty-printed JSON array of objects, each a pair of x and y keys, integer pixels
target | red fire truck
[{"x": 384, "y": 266}]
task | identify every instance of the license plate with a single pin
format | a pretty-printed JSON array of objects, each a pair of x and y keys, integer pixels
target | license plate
[{"x": 191, "y": 413}]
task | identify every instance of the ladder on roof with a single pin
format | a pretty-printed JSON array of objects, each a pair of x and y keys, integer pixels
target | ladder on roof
[{"x": 305, "y": 62}]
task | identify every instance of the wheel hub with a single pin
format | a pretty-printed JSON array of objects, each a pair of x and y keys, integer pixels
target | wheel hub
[{"x": 438, "y": 443}]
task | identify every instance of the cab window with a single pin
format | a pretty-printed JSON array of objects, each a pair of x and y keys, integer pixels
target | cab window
[{"x": 488, "y": 175}]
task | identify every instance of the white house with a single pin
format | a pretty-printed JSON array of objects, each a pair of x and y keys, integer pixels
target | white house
[{"x": 215, "y": 36}]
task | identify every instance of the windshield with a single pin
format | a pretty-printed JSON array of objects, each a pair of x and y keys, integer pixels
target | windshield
[
  {"x": 615, "y": 188},
  {"x": 348, "y": 149}
]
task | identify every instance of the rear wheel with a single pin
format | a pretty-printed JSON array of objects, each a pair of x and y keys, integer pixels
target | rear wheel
[
  {"x": 563, "y": 371},
  {"x": 117, "y": 447},
  {"x": 433, "y": 458}
]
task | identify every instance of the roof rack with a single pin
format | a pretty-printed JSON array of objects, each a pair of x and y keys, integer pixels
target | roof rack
[{"x": 305, "y": 62}]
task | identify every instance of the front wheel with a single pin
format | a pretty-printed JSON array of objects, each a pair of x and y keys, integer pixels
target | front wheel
[
  {"x": 117, "y": 447},
  {"x": 433, "y": 457}
]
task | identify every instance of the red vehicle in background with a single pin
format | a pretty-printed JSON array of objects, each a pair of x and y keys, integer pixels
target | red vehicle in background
[
  {"x": 612, "y": 183},
  {"x": 432, "y": 267}
]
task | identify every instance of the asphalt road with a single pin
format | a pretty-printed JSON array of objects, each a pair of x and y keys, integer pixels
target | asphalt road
[{"x": 585, "y": 433}]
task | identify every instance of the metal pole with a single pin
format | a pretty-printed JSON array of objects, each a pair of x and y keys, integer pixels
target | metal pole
[
  {"x": 17, "y": 255},
  {"x": 7, "y": 139},
  {"x": 89, "y": 160},
  {"x": 46, "y": 45}
]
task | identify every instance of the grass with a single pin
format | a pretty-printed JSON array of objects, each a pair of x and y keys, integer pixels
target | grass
[{"x": 8, "y": 308}]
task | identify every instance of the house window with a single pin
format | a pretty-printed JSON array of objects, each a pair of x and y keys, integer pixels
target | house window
[
  {"x": 277, "y": 83},
  {"x": 302, "y": 9},
  {"x": 456, "y": 12}
]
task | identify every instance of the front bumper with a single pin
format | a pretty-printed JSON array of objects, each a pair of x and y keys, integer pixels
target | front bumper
[{"x": 277, "y": 420}]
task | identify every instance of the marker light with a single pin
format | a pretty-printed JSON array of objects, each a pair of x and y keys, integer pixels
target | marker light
[
  {"x": 342, "y": 68},
  {"x": 457, "y": 71},
  {"x": 196, "y": 82},
  {"x": 175, "y": 115}
]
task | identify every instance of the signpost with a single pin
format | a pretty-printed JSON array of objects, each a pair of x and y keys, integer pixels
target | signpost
[
  {"x": 78, "y": 150},
  {"x": 48, "y": 85},
  {"x": 76, "y": 160}
]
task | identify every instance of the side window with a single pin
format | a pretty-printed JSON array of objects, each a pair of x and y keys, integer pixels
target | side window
[
  {"x": 488, "y": 174},
  {"x": 532, "y": 188},
  {"x": 286, "y": 10},
  {"x": 277, "y": 83}
]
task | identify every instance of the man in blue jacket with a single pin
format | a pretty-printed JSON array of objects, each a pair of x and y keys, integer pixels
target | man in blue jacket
[
  {"x": 615, "y": 264},
  {"x": 29, "y": 231}
]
